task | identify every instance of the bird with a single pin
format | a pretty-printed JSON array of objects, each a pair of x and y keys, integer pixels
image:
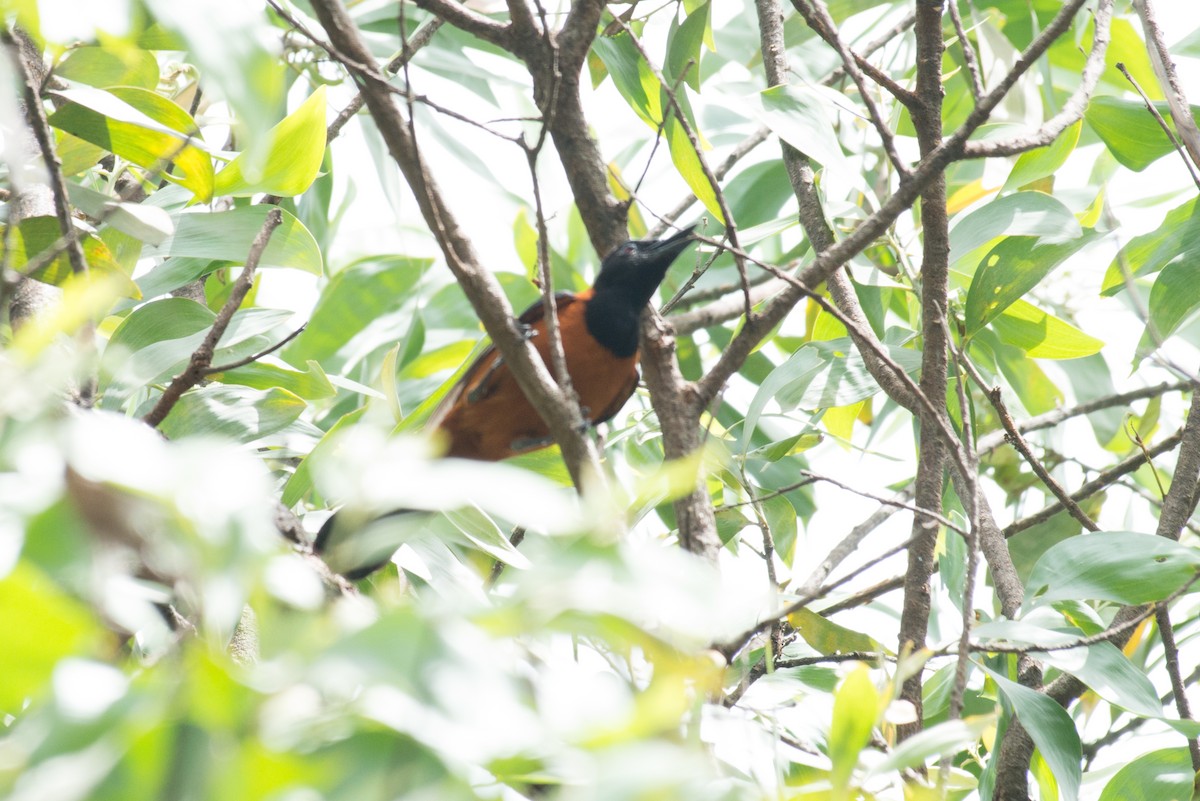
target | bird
[{"x": 486, "y": 417}]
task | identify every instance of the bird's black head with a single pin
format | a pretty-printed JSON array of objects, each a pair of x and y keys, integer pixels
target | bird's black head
[{"x": 635, "y": 269}]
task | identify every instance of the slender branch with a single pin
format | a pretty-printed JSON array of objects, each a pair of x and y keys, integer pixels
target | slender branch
[
  {"x": 1022, "y": 447},
  {"x": 203, "y": 355},
  {"x": 470, "y": 21},
  {"x": 1162, "y": 616},
  {"x": 421, "y": 37},
  {"x": 1072, "y": 110},
  {"x": 1112, "y": 632}
]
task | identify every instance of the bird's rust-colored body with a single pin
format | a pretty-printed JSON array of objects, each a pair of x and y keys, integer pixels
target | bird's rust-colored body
[{"x": 487, "y": 417}]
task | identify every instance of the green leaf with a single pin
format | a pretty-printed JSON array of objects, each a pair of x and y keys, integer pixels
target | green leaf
[
  {"x": 139, "y": 220},
  {"x": 1051, "y": 728},
  {"x": 356, "y": 295},
  {"x": 1120, "y": 566},
  {"x": 1164, "y": 775},
  {"x": 311, "y": 384},
  {"x": 845, "y": 379},
  {"x": 1130, "y": 132},
  {"x": 798, "y": 117},
  {"x": 1033, "y": 214},
  {"x": 632, "y": 77},
  {"x": 1042, "y": 335},
  {"x": 156, "y": 340},
  {"x": 944, "y": 739},
  {"x": 1174, "y": 296},
  {"x": 238, "y": 413},
  {"x": 800, "y": 369},
  {"x": 116, "y": 65},
  {"x": 683, "y": 46},
  {"x": 1011, "y": 269},
  {"x": 687, "y": 162},
  {"x": 42, "y": 625},
  {"x": 1110, "y": 674},
  {"x": 35, "y": 235},
  {"x": 1045, "y": 161},
  {"x": 294, "y": 151},
  {"x": 856, "y": 705},
  {"x": 227, "y": 236},
  {"x": 1176, "y": 237},
  {"x": 224, "y": 39},
  {"x": 828, "y": 637},
  {"x": 141, "y": 126},
  {"x": 301, "y": 480}
]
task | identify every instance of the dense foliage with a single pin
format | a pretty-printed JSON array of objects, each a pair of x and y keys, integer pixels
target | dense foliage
[{"x": 227, "y": 312}]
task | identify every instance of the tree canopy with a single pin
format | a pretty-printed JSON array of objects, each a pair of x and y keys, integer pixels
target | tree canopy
[{"x": 902, "y": 509}]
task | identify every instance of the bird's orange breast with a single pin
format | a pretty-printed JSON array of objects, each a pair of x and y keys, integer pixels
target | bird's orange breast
[{"x": 491, "y": 419}]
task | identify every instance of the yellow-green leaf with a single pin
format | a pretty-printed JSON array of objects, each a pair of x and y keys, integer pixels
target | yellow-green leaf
[
  {"x": 142, "y": 127},
  {"x": 293, "y": 155}
]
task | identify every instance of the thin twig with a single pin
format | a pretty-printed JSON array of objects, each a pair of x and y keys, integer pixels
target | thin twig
[
  {"x": 1187, "y": 162},
  {"x": 968, "y": 50},
  {"x": 224, "y": 368},
  {"x": 1125, "y": 466}
]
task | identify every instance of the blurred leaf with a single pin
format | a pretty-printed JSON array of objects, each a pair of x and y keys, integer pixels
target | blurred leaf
[
  {"x": 798, "y": 116},
  {"x": 1051, "y": 728},
  {"x": 1120, "y": 566},
  {"x": 1011, "y": 269},
  {"x": 103, "y": 67},
  {"x": 944, "y": 739},
  {"x": 141, "y": 126},
  {"x": 139, "y": 220},
  {"x": 1163, "y": 775},
  {"x": 223, "y": 38},
  {"x": 34, "y": 236},
  {"x": 1129, "y": 132},
  {"x": 828, "y": 637},
  {"x": 227, "y": 235},
  {"x": 42, "y": 626},
  {"x": 356, "y": 295},
  {"x": 856, "y": 706},
  {"x": 85, "y": 299},
  {"x": 294, "y": 151},
  {"x": 238, "y": 413},
  {"x": 1174, "y": 296},
  {"x": 300, "y": 482}
]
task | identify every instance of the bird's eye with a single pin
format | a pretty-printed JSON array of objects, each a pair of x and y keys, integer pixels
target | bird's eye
[{"x": 628, "y": 249}]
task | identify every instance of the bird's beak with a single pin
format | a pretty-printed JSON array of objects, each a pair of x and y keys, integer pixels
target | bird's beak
[{"x": 674, "y": 244}]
